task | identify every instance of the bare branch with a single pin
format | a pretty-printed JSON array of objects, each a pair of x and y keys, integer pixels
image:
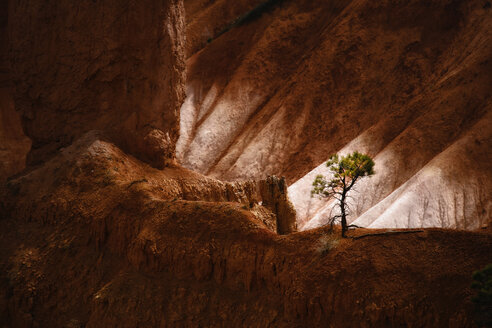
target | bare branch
[
  {"x": 346, "y": 172},
  {"x": 386, "y": 233}
]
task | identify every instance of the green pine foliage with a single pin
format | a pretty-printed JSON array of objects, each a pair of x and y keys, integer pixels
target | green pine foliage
[{"x": 347, "y": 170}]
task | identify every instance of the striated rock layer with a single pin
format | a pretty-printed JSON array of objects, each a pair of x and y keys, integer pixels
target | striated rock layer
[
  {"x": 406, "y": 82},
  {"x": 113, "y": 65},
  {"x": 96, "y": 238},
  {"x": 207, "y": 19}
]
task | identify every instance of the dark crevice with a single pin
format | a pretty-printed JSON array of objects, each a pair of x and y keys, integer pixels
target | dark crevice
[{"x": 249, "y": 16}]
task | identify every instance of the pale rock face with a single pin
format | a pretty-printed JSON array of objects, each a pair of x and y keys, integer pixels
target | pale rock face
[
  {"x": 280, "y": 94},
  {"x": 451, "y": 191},
  {"x": 218, "y": 127}
]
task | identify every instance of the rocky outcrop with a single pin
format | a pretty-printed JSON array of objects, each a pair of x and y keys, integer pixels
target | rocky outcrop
[
  {"x": 96, "y": 238},
  {"x": 274, "y": 196},
  {"x": 14, "y": 145},
  {"x": 110, "y": 65},
  {"x": 403, "y": 82}
]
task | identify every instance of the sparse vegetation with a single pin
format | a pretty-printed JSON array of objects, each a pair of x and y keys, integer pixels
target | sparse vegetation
[
  {"x": 327, "y": 243},
  {"x": 347, "y": 170},
  {"x": 137, "y": 182},
  {"x": 482, "y": 283}
]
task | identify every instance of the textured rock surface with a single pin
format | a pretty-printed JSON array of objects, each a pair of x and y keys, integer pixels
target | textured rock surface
[
  {"x": 109, "y": 65},
  {"x": 206, "y": 19},
  {"x": 96, "y": 238},
  {"x": 14, "y": 145},
  {"x": 404, "y": 82},
  {"x": 273, "y": 191}
]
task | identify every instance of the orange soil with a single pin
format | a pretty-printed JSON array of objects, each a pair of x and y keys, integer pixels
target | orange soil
[{"x": 98, "y": 238}]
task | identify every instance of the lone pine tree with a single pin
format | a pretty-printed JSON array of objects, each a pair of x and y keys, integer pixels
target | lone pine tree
[{"x": 347, "y": 170}]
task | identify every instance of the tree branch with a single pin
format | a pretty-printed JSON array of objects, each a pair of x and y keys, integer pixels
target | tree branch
[
  {"x": 386, "y": 233},
  {"x": 352, "y": 182}
]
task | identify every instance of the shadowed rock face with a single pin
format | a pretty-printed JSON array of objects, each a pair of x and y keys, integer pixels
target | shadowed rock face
[
  {"x": 14, "y": 145},
  {"x": 273, "y": 191},
  {"x": 407, "y": 83},
  {"x": 205, "y": 19},
  {"x": 110, "y": 65},
  {"x": 95, "y": 237}
]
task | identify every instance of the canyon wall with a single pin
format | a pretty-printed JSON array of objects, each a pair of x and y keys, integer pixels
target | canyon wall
[
  {"x": 14, "y": 145},
  {"x": 92, "y": 236},
  {"x": 111, "y": 65},
  {"x": 406, "y": 83},
  {"x": 207, "y": 19}
]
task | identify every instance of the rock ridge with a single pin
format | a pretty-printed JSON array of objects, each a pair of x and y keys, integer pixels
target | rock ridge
[{"x": 163, "y": 247}]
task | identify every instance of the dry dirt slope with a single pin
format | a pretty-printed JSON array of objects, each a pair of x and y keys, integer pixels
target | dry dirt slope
[
  {"x": 96, "y": 238},
  {"x": 408, "y": 82}
]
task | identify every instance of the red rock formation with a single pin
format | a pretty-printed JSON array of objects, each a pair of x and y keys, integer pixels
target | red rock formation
[
  {"x": 113, "y": 65},
  {"x": 13, "y": 143},
  {"x": 207, "y": 19},
  {"x": 96, "y": 238},
  {"x": 403, "y": 82},
  {"x": 274, "y": 196}
]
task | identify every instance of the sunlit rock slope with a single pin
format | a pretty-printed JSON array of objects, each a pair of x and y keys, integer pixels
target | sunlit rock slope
[
  {"x": 409, "y": 83},
  {"x": 104, "y": 229}
]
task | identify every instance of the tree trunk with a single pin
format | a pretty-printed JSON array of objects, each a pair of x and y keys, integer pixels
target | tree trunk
[{"x": 344, "y": 217}]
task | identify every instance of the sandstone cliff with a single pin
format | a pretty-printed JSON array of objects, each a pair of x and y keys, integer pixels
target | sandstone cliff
[
  {"x": 207, "y": 19},
  {"x": 115, "y": 66},
  {"x": 94, "y": 236},
  {"x": 274, "y": 196}
]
